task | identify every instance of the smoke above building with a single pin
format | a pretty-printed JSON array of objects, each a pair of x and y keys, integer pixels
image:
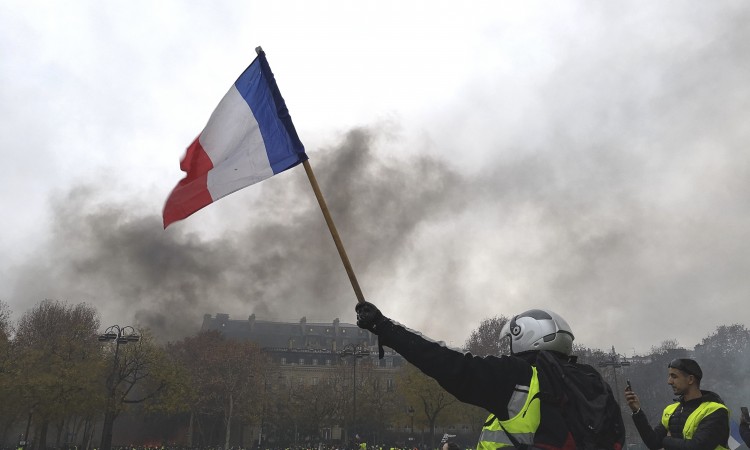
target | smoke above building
[{"x": 600, "y": 171}]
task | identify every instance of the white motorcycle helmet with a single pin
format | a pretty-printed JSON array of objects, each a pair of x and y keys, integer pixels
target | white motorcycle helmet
[{"x": 538, "y": 329}]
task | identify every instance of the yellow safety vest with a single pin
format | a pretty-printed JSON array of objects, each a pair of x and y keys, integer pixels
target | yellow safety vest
[
  {"x": 524, "y": 417},
  {"x": 691, "y": 424}
]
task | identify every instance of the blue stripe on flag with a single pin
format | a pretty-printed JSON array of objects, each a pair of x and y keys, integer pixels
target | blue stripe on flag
[{"x": 258, "y": 87}]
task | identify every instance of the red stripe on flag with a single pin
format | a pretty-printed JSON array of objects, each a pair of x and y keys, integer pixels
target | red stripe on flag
[{"x": 191, "y": 193}]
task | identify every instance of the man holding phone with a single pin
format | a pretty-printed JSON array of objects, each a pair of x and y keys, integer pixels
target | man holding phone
[
  {"x": 698, "y": 420},
  {"x": 745, "y": 425}
]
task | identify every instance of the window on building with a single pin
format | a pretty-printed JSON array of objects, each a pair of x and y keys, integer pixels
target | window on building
[
  {"x": 301, "y": 361},
  {"x": 389, "y": 362},
  {"x": 389, "y": 385},
  {"x": 328, "y": 362},
  {"x": 314, "y": 381},
  {"x": 283, "y": 360},
  {"x": 315, "y": 361}
]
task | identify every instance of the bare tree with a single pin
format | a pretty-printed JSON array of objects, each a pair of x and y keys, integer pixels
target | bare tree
[
  {"x": 224, "y": 376},
  {"x": 486, "y": 339},
  {"x": 377, "y": 404},
  {"x": 428, "y": 396},
  {"x": 140, "y": 371},
  {"x": 8, "y": 408},
  {"x": 725, "y": 357}
]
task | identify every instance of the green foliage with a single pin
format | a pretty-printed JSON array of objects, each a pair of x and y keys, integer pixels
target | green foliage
[{"x": 57, "y": 360}]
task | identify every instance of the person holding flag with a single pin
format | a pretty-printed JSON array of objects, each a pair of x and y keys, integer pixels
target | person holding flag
[{"x": 516, "y": 389}]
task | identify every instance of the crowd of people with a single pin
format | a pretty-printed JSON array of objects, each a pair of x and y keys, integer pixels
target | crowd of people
[{"x": 444, "y": 445}]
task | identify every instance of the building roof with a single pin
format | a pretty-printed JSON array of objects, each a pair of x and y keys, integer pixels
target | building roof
[{"x": 332, "y": 336}]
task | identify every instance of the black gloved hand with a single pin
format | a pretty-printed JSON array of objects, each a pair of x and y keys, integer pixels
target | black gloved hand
[{"x": 369, "y": 316}]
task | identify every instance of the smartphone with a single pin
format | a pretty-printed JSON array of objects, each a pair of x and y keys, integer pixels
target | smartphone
[
  {"x": 628, "y": 387},
  {"x": 745, "y": 413}
]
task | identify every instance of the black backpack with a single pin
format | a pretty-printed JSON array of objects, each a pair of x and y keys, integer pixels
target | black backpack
[{"x": 585, "y": 400}]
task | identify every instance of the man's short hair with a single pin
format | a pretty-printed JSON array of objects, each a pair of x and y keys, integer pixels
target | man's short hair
[{"x": 687, "y": 365}]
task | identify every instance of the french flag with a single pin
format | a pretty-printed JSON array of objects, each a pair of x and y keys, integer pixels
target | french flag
[{"x": 249, "y": 137}]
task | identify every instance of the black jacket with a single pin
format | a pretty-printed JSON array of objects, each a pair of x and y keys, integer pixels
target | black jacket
[
  {"x": 712, "y": 431},
  {"x": 487, "y": 382},
  {"x": 745, "y": 433}
]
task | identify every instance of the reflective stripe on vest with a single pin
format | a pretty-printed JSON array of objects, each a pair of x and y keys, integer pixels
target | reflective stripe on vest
[
  {"x": 691, "y": 424},
  {"x": 524, "y": 417}
]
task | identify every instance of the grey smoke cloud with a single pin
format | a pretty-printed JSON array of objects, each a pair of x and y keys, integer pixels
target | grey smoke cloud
[
  {"x": 437, "y": 248},
  {"x": 612, "y": 186},
  {"x": 280, "y": 264}
]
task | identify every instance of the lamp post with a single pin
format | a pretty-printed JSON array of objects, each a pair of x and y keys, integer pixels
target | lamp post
[
  {"x": 615, "y": 362},
  {"x": 121, "y": 336},
  {"x": 356, "y": 351}
]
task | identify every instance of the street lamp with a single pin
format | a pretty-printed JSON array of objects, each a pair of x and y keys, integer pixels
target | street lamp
[
  {"x": 121, "y": 336},
  {"x": 615, "y": 362},
  {"x": 356, "y": 351}
]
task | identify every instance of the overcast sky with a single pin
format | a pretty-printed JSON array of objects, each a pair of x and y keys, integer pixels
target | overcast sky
[{"x": 479, "y": 159}]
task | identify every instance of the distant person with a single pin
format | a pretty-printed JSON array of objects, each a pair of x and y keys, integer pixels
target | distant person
[
  {"x": 447, "y": 444},
  {"x": 510, "y": 387},
  {"x": 698, "y": 420}
]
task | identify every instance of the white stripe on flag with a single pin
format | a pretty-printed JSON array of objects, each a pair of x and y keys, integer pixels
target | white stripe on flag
[{"x": 233, "y": 142}]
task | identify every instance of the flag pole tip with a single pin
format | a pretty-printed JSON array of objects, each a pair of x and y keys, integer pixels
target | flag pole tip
[{"x": 258, "y": 49}]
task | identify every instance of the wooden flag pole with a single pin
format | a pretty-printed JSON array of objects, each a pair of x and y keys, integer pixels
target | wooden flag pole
[
  {"x": 334, "y": 233},
  {"x": 331, "y": 226}
]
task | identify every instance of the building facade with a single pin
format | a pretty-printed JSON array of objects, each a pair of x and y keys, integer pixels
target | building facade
[{"x": 307, "y": 354}]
